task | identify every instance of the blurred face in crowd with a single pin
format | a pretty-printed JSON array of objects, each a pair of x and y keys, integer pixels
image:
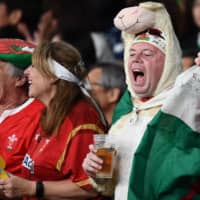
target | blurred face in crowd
[
  {"x": 145, "y": 68},
  {"x": 99, "y": 93},
  {"x": 196, "y": 12}
]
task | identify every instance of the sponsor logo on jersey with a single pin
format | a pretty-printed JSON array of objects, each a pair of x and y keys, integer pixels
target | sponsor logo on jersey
[{"x": 28, "y": 163}]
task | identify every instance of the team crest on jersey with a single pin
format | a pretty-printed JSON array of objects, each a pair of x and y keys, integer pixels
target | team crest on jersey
[
  {"x": 12, "y": 139},
  {"x": 28, "y": 163}
]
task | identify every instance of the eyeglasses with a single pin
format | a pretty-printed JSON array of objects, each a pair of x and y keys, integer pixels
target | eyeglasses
[{"x": 89, "y": 85}]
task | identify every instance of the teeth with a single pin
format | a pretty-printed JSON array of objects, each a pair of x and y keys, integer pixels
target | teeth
[
  {"x": 137, "y": 70},
  {"x": 29, "y": 82}
]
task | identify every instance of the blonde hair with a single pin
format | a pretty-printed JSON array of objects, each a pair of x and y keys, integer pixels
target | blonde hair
[{"x": 67, "y": 93}]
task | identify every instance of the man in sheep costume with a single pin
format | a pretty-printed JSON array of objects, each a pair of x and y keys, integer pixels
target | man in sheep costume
[
  {"x": 157, "y": 135},
  {"x": 166, "y": 156},
  {"x": 133, "y": 20}
]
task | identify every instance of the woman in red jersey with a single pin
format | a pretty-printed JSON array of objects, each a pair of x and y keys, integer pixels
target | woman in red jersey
[{"x": 52, "y": 166}]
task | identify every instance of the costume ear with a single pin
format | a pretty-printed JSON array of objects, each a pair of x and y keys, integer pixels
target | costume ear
[
  {"x": 15, "y": 16},
  {"x": 134, "y": 19},
  {"x": 113, "y": 95},
  {"x": 20, "y": 81}
]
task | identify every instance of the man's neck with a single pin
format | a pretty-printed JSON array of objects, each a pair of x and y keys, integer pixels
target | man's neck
[{"x": 12, "y": 101}]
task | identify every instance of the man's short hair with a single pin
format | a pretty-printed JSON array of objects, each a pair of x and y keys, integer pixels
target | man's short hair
[{"x": 113, "y": 76}]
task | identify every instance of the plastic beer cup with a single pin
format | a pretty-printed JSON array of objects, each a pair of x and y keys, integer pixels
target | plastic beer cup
[{"x": 107, "y": 153}]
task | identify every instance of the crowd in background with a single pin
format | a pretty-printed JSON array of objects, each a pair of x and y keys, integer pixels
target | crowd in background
[{"x": 89, "y": 26}]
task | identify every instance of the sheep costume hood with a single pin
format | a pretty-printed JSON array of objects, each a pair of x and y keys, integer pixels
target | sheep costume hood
[{"x": 133, "y": 20}]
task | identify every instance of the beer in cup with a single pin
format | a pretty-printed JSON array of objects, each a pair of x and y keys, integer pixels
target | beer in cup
[{"x": 107, "y": 153}]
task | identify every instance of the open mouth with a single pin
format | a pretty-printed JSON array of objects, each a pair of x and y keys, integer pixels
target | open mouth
[{"x": 138, "y": 75}]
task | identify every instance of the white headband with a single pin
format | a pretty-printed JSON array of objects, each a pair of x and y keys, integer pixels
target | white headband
[{"x": 63, "y": 73}]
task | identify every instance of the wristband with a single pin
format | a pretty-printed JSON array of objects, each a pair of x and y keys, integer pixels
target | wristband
[{"x": 39, "y": 193}]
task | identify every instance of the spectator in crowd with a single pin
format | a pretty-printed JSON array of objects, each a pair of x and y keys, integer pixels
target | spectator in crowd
[
  {"x": 157, "y": 142},
  {"x": 18, "y": 113},
  {"x": 52, "y": 166},
  {"x": 106, "y": 82}
]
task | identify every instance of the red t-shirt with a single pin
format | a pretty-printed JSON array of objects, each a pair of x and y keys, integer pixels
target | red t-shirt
[
  {"x": 16, "y": 133},
  {"x": 60, "y": 156}
]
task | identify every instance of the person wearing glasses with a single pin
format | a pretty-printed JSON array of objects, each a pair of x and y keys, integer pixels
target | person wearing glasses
[{"x": 106, "y": 83}]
